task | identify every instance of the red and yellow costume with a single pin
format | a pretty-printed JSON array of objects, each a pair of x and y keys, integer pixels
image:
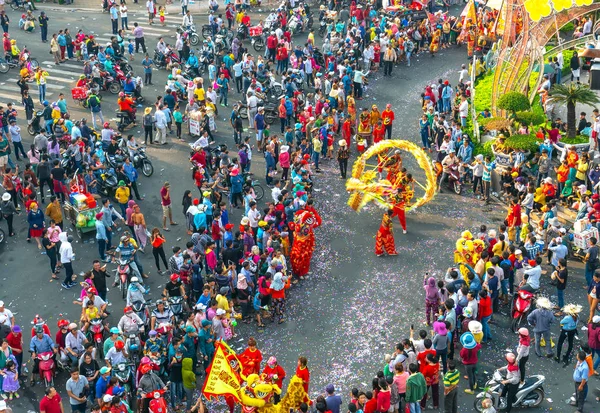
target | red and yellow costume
[
  {"x": 347, "y": 131},
  {"x": 364, "y": 127},
  {"x": 304, "y": 374},
  {"x": 399, "y": 206},
  {"x": 435, "y": 42},
  {"x": 384, "y": 241},
  {"x": 251, "y": 359},
  {"x": 305, "y": 221},
  {"x": 470, "y": 41},
  {"x": 378, "y": 133}
]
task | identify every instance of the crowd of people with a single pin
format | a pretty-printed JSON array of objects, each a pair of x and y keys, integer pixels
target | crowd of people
[{"x": 235, "y": 266}]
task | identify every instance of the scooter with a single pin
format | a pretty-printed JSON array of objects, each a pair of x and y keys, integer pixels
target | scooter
[
  {"x": 124, "y": 372},
  {"x": 107, "y": 184},
  {"x": 140, "y": 308},
  {"x": 123, "y": 120},
  {"x": 176, "y": 305},
  {"x": 520, "y": 307},
  {"x": 531, "y": 394},
  {"x": 133, "y": 344},
  {"x": 35, "y": 126},
  {"x": 124, "y": 273},
  {"x": 140, "y": 160},
  {"x": 158, "y": 403},
  {"x": 453, "y": 181},
  {"x": 46, "y": 367},
  {"x": 97, "y": 335}
]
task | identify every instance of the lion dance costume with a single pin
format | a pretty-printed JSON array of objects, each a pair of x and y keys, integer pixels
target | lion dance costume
[
  {"x": 254, "y": 392},
  {"x": 305, "y": 221}
]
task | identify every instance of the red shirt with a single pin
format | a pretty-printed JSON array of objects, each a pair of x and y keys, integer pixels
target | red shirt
[
  {"x": 371, "y": 405},
  {"x": 485, "y": 307},
  {"x": 200, "y": 158},
  {"x": 164, "y": 198},
  {"x": 431, "y": 373},
  {"x": 216, "y": 230},
  {"x": 14, "y": 341},
  {"x": 52, "y": 405},
  {"x": 304, "y": 374},
  {"x": 470, "y": 356},
  {"x": 277, "y": 370},
  {"x": 251, "y": 360},
  {"x": 389, "y": 115},
  {"x": 422, "y": 356}
]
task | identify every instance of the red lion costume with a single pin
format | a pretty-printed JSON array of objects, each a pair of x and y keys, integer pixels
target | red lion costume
[{"x": 305, "y": 221}]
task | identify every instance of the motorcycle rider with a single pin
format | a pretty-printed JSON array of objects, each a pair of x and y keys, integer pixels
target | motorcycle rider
[
  {"x": 135, "y": 291},
  {"x": 60, "y": 338},
  {"x": 149, "y": 383},
  {"x": 126, "y": 104},
  {"x": 130, "y": 323},
  {"x": 153, "y": 341},
  {"x": 74, "y": 343},
  {"x": 99, "y": 303},
  {"x": 193, "y": 63},
  {"x": 162, "y": 314},
  {"x": 127, "y": 252},
  {"x": 116, "y": 354},
  {"x": 41, "y": 343},
  {"x": 511, "y": 383},
  {"x": 450, "y": 161},
  {"x": 174, "y": 288},
  {"x": 130, "y": 86}
]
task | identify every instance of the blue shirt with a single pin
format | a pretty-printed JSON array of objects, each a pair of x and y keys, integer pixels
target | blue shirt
[
  {"x": 333, "y": 402},
  {"x": 102, "y": 384},
  {"x": 130, "y": 171},
  {"x": 259, "y": 121},
  {"x": 200, "y": 220},
  {"x": 100, "y": 230},
  {"x": 147, "y": 62},
  {"x": 582, "y": 372},
  {"x": 209, "y": 207},
  {"x": 568, "y": 323},
  {"x": 43, "y": 345}
]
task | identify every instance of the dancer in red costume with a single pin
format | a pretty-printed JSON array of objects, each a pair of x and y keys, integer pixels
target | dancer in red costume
[
  {"x": 384, "y": 241},
  {"x": 251, "y": 358},
  {"x": 305, "y": 221},
  {"x": 303, "y": 372},
  {"x": 399, "y": 207}
]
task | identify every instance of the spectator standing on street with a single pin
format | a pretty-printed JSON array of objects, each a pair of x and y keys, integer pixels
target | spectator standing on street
[
  {"x": 580, "y": 377},
  {"x": 4, "y": 20},
  {"x": 54, "y": 50},
  {"x": 541, "y": 318},
  {"x": 114, "y": 18},
  {"x": 123, "y": 12},
  {"x": 151, "y": 9},
  {"x": 43, "y": 19},
  {"x": 450, "y": 388},
  {"x": 138, "y": 33},
  {"x": 147, "y": 63},
  {"x": 160, "y": 119},
  {"x": 15, "y": 137},
  {"x": 51, "y": 402},
  {"x": 165, "y": 200}
]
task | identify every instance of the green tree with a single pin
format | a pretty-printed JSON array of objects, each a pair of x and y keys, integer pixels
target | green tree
[
  {"x": 571, "y": 94},
  {"x": 514, "y": 102}
]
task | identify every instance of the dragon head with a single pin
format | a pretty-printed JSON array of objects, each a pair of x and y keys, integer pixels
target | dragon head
[{"x": 304, "y": 222}]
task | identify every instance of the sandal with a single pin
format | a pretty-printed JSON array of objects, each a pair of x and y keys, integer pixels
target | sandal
[
  {"x": 261, "y": 325},
  {"x": 54, "y": 277}
]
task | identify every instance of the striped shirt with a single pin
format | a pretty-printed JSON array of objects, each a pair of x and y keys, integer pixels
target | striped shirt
[{"x": 451, "y": 378}]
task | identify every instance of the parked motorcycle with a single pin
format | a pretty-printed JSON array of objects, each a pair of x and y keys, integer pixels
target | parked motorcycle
[
  {"x": 531, "y": 394},
  {"x": 107, "y": 184},
  {"x": 520, "y": 308},
  {"x": 140, "y": 160}
]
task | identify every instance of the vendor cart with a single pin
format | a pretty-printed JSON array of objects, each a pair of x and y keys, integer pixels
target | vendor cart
[{"x": 81, "y": 212}]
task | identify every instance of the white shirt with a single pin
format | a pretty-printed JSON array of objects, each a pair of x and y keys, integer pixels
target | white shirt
[
  {"x": 161, "y": 119},
  {"x": 123, "y": 10},
  {"x": 150, "y": 6},
  {"x": 254, "y": 217},
  {"x": 5, "y": 317},
  {"x": 98, "y": 302},
  {"x": 252, "y": 102},
  {"x": 66, "y": 252},
  {"x": 462, "y": 75},
  {"x": 463, "y": 109},
  {"x": 275, "y": 192},
  {"x": 115, "y": 357},
  {"x": 75, "y": 343},
  {"x": 188, "y": 20},
  {"x": 474, "y": 307}
]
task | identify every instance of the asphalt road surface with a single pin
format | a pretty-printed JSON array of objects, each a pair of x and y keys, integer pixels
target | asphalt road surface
[{"x": 353, "y": 307}]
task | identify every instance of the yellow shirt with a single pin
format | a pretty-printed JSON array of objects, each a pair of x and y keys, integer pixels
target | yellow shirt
[
  {"x": 311, "y": 37},
  {"x": 223, "y": 304},
  {"x": 122, "y": 194},
  {"x": 54, "y": 212},
  {"x": 317, "y": 145},
  {"x": 92, "y": 313},
  {"x": 582, "y": 168},
  {"x": 199, "y": 93}
]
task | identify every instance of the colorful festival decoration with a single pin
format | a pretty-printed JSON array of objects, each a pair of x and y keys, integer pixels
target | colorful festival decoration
[
  {"x": 254, "y": 393},
  {"x": 368, "y": 185},
  {"x": 305, "y": 221},
  {"x": 538, "y": 9}
]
